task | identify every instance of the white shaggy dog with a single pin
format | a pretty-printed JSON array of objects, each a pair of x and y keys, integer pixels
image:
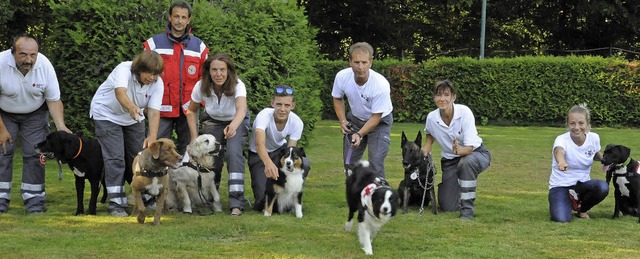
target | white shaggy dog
[{"x": 192, "y": 183}]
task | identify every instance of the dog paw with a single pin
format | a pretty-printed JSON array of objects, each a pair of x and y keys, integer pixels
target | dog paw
[
  {"x": 367, "y": 250},
  {"x": 267, "y": 214},
  {"x": 348, "y": 225}
]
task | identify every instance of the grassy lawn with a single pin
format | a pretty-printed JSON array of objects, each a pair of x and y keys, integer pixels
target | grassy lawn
[{"x": 512, "y": 217}]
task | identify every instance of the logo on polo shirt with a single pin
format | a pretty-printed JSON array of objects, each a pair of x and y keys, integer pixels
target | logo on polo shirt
[{"x": 39, "y": 86}]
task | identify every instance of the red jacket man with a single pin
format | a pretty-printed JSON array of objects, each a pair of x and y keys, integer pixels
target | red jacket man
[{"x": 183, "y": 56}]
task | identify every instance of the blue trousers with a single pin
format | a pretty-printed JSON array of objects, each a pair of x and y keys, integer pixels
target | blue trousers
[{"x": 590, "y": 194}]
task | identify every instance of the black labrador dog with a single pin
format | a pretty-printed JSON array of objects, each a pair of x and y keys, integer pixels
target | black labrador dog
[
  {"x": 625, "y": 173},
  {"x": 84, "y": 157}
]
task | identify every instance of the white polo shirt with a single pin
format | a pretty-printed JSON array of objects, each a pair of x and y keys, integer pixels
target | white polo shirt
[
  {"x": 373, "y": 97},
  {"x": 462, "y": 127},
  {"x": 579, "y": 159},
  {"x": 26, "y": 93},
  {"x": 105, "y": 105},
  {"x": 274, "y": 138},
  {"x": 226, "y": 109}
]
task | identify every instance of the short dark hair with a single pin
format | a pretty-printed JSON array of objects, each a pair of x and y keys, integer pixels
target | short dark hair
[
  {"x": 148, "y": 61},
  {"x": 180, "y": 4},
  {"x": 444, "y": 85},
  {"x": 20, "y": 36}
]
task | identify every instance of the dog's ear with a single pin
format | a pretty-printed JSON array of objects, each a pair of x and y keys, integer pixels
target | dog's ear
[
  {"x": 69, "y": 148},
  {"x": 302, "y": 152},
  {"x": 154, "y": 149},
  {"x": 404, "y": 139},
  {"x": 624, "y": 151},
  {"x": 609, "y": 146},
  {"x": 419, "y": 139}
]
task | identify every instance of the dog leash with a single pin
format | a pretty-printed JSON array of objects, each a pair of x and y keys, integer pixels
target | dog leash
[
  {"x": 426, "y": 183},
  {"x": 347, "y": 159}
]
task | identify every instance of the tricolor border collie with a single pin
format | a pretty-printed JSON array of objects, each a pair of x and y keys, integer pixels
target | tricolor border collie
[
  {"x": 625, "y": 173},
  {"x": 374, "y": 200},
  {"x": 285, "y": 193}
]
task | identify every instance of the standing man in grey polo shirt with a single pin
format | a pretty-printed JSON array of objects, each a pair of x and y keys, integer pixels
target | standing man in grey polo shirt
[{"x": 27, "y": 82}]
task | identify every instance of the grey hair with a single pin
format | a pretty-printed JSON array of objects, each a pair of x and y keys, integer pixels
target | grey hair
[{"x": 361, "y": 46}]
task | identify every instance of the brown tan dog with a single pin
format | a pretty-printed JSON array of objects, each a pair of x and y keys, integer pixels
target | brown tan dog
[{"x": 150, "y": 169}]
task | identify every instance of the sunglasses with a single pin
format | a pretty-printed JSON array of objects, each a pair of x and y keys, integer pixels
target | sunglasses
[{"x": 284, "y": 91}]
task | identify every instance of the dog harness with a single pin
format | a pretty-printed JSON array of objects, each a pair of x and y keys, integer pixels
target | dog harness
[
  {"x": 200, "y": 170},
  {"x": 630, "y": 173},
  {"x": 367, "y": 193},
  {"x": 365, "y": 197}
]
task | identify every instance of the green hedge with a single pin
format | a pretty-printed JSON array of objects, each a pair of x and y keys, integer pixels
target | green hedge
[
  {"x": 270, "y": 41},
  {"x": 513, "y": 91}
]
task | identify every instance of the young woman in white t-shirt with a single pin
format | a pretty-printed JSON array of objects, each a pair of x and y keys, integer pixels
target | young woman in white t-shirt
[{"x": 570, "y": 185}]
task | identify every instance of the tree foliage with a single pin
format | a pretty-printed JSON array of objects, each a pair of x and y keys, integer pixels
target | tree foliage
[
  {"x": 270, "y": 41},
  {"x": 419, "y": 30}
]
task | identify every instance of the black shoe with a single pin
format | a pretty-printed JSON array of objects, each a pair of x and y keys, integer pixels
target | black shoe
[{"x": 4, "y": 206}]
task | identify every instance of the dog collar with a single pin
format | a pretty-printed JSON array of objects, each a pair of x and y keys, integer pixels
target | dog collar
[
  {"x": 79, "y": 149},
  {"x": 153, "y": 174},
  {"x": 198, "y": 168},
  {"x": 626, "y": 163}
]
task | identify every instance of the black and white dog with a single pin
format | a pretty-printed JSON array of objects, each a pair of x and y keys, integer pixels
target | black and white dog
[
  {"x": 625, "y": 173},
  {"x": 84, "y": 157},
  {"x": 417, "y": 187},
  {"x": 373, "y": 199},
  {"x": 285, "y": 193}
]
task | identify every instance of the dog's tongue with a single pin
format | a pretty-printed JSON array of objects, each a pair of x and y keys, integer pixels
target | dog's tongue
[{"x": 605, "y": 168}]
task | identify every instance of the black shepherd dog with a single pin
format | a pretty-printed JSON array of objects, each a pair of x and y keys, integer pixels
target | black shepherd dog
[
  {"x": 417, "y": 188},
  {"x": 84, "y": 157},
  {"x": 625, "y": 173}
]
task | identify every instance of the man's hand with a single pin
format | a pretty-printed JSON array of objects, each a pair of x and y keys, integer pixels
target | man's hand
[
  {"x": 344, "y": 127},
  {"x": 5, "y": 138},
  {"x": 355, "y": 140},
  {"x": 271, "y": 171}
]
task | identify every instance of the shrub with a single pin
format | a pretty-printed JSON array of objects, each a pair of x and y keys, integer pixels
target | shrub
[{"x": 270, "y": 41}]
